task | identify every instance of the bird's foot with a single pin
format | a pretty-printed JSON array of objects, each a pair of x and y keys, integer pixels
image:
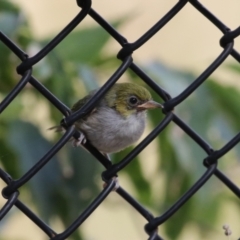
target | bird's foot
[
  {"x": 117, "y": 185},
  {"x": 106, "y": 156},
  {"x": 81, "y": 140}
]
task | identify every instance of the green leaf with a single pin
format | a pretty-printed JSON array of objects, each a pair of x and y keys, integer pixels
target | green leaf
[
  {"x": 83, "y": 45},
  {"x": 14, "y": 25},
  {"x": 8, "y": 22},
  {"x": 30, "y": 146},
  {"x": 88, "y": 78},
  {"x": 136, "y": 174},
  {"x": 234, "y": 67},
  {"x": 79, "y": 187},
  {"x": 225, "y": 98},
  {"x": 7, "y": 6},
  {"x": 72, "y": 185},
  {"x": 8, "y": 158},
  {"x": 212, "y": 112}
]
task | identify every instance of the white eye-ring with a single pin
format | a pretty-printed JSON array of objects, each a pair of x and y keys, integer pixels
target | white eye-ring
[{"x": 133, "y": 101}]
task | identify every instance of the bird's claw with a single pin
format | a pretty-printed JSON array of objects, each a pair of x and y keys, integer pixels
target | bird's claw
[
  {"x": 81, "y": 140},
  {"x": 117, "y": 185}
]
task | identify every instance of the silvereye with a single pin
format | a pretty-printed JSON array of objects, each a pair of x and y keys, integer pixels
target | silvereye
[{"x": 118, "y": 120}]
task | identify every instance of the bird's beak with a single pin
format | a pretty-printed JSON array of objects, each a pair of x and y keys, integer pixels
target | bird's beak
[{"x": 149, "y": 104}]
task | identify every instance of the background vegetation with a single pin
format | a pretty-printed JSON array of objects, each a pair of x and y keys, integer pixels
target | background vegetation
[{"x": 71, "y": 179}]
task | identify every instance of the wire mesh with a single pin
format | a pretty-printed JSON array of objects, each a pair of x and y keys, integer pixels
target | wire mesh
[{"x": 11, "y": 192}]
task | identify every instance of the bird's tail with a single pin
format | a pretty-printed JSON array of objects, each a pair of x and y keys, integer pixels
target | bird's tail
[{"x": 58, "y": 128}]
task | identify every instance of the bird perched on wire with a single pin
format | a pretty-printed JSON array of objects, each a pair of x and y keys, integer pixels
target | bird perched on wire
[{"x": 117, "y": 121}]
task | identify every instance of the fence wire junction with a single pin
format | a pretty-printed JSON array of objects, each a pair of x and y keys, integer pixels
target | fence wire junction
[{"x": 11, "y": 192}]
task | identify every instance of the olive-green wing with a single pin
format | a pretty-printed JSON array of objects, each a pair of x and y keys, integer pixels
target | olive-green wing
[{"x": 83, "y": 101}]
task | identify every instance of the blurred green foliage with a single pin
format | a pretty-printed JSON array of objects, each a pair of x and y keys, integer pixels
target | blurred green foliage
[{"x": 67, "y": 184}]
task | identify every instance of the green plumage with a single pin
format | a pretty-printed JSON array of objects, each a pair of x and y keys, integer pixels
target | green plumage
[
  {"x": 118, "y": 119},
  {"x": 117, "y": 97}
]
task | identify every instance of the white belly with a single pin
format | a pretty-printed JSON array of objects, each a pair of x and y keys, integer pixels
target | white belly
[{"x": 110, "y": 132}]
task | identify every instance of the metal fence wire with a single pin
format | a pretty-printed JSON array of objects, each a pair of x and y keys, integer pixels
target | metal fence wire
[{"x": 11, "y": 192}]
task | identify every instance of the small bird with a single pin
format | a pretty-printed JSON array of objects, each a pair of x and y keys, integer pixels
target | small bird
[{"x": 117, "y": 121}]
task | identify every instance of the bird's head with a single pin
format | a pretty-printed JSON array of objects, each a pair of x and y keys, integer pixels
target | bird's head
[{"x": 130, "y": 98}]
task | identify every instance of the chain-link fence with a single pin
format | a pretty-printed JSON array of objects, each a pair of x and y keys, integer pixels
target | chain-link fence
[{"x": 11, "y": 192}]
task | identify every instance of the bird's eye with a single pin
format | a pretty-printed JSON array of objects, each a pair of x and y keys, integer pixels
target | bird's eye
[{"x": 133, "y": 101}]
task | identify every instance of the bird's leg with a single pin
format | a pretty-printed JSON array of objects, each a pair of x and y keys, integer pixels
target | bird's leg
[
  {"x": 115, "y": 178},
  {"x": 81, "y": 140},
  {"x": 106, "y": 156},
  {"x": 117, "y": 185}
]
